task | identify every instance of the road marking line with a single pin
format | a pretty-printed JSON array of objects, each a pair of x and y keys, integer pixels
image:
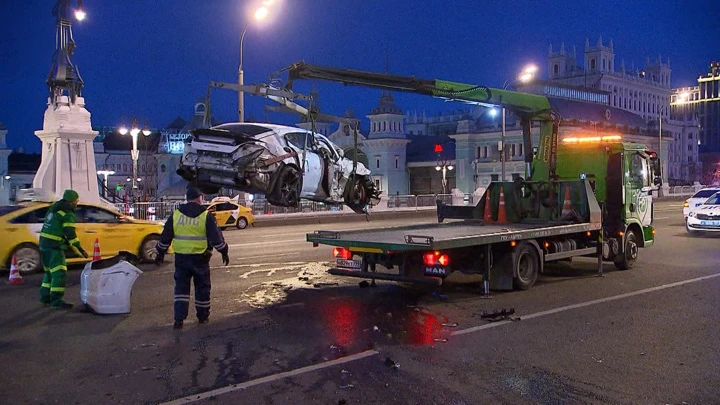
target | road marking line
[
  {"x": 275, "y": 242},
  {"x": 270, "y": 378},
  {"x": 272, "y": 255},
  {"x": 661, "y": 218},
  {"x": 584, "y": 304}
]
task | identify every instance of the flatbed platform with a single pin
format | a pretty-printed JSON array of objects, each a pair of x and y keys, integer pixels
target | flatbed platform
[{"x": 446, "y": 235}]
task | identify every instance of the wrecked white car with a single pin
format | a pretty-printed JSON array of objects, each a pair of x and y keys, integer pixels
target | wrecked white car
[{"x": 284, "y": 163}]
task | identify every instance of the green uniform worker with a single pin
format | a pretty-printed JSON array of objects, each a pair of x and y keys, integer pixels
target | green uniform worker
[{"x": 57, "y": 235}]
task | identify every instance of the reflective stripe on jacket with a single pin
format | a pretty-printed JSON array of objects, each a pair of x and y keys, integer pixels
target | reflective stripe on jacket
[
  {"x": 190, "y": 234},
  {"x": 58, "y": 231}
]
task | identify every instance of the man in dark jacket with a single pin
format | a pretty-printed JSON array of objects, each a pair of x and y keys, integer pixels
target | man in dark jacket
[
  {"x": 56, "y": 236},
  {"x": 193, "y": 234}
]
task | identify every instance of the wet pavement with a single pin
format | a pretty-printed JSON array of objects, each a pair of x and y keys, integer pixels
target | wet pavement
[{"x": 282, "y": 331}]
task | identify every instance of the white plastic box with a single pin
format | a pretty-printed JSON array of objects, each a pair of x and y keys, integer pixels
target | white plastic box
[{"x": 106, "y": 285}]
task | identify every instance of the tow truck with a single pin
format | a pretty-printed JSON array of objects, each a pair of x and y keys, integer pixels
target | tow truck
[{"x": 580, "y": 197}]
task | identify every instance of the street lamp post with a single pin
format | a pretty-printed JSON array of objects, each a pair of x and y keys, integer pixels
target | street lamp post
[
  {"x": 259, "y": 15},
  {"x": 527, "y": 74},
  {"x": 105, "y": 174},
  {"x": 444, "y": 166},
  {"x": 135, "y": 153}
]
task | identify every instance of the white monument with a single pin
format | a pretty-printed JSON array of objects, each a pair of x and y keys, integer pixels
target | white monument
[{"x": 68, "y": 158}]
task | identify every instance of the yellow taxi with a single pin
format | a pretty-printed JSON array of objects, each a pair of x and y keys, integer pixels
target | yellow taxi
[
  {"x": 20, "y": 227},
  {"x": 229, "y": 213}
]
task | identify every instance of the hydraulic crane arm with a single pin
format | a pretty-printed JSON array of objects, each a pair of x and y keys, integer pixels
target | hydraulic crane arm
[{"x": 529, "y": 107}]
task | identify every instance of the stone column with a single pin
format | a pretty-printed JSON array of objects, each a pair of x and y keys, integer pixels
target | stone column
[{"x": 68, "y": 158}]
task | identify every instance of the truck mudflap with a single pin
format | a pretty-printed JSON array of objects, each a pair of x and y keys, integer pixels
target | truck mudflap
[{"x": 434, "y": 281}]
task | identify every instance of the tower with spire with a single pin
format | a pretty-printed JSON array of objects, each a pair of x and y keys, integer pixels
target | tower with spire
[
  {"x": 599, "y": 58},
  {"x": 68, "y": 158}
]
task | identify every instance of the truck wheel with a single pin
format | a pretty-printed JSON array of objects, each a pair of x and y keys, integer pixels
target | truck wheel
[
  {"x": 527, "y": 264},
  {"x": 626, "y": 260}
]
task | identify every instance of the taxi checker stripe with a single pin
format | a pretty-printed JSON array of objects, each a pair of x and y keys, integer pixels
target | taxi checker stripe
[{"x": 189, "y": 237}]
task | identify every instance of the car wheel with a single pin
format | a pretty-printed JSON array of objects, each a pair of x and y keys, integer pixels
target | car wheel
[
  {"x": 357, "y": 193},
  {"x": 527, "y": 264},
  {"x": 687, "y": 228},
  {"x": 27, "y": 259},
  {"x": 242, "y": 223},
  {"x": 148, "y": 253},
  {"x": 626, "y": 260},
  {"x": 286, "y": 192}
]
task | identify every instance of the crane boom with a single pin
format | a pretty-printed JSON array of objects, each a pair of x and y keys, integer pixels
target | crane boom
[{"x": 529, "y": 107}]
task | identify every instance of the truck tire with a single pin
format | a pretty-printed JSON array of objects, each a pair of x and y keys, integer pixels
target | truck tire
[
  {"x": 626, "y": 259},
  {"x": 527, "y": 266}
]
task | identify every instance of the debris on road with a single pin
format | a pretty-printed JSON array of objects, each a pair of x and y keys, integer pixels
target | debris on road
[
  {"x": 390, "y": 363},
  {"x": 347, "y": 386},
  {"x": 364, "y": 284},
  {"x": 502, "y": 315}
]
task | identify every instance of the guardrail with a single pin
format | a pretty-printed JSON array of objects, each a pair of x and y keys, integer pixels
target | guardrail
[
  {"x": 149, "y": 211},
  {"x": 684, "y": 190}
]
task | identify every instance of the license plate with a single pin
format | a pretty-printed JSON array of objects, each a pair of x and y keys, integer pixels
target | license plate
[
  {"x": 435, "y": 271},
  {"x": 349, "y": 264},
  {"x": 710, "y": 223}
]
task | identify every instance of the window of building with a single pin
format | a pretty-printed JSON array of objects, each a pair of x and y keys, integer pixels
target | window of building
[
  {"x": 377, "y": 163},
  {"x": 690, "y": 148},
  {"x": 494, "y": 177},
  {"x": 690, "y": 136},
  {"x": 556, "y": 69},
  {"x": 384, "y": 126},
  {"x": 592, "y": 64},
  {"x": 397, "y": 161}
]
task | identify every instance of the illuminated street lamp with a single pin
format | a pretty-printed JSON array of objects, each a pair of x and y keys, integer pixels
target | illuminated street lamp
[
  {"x": 444, "y": 166},
  {"x": 525, "y": 76},
  {"x": 135, "y": 153},
  {"x": 260, "y": 14},
  {"x": 105, "y": 173}
]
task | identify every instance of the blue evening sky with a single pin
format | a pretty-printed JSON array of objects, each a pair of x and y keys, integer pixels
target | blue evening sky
[{"x": 154, "y": 59}]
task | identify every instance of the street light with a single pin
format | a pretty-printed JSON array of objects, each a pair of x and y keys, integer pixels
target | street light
[
  {"x": 525, "y": 76},
  {"x": 442, "y": 165},
  {"x": 105, "y": 173},
  {"x": 260, "y": 14},
  {"x": 135, "y": 153}
]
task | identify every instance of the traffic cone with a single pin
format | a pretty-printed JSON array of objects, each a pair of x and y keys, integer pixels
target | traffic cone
[
  {"x": 15, "y": 277},
  {"x": 567, "y": 204},
  {"x": 487, "y": 216},
  {"x": 96, "y": 251},
  {"x": 502, "y": 214}
]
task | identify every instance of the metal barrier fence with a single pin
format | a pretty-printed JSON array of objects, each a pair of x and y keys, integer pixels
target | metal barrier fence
[
  {"x": 684, "y": 190},
  {"x": 150, "y": 211}
]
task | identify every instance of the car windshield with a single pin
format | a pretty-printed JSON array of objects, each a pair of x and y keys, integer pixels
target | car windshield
[
  {"x": 714, "y": 200},
  {"x": 705, "y": 193}
]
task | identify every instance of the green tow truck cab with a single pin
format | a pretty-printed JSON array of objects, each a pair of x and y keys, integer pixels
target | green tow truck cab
[
  {"x": 624, "y": 177},
  {"x": 585, "y": 196}
]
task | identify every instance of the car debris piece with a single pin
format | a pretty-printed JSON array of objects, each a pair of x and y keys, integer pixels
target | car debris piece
[
  {"x": 364, "y": 284},
  {"x": 391, "y": 363},
  {"x": 501, "y": 315}
]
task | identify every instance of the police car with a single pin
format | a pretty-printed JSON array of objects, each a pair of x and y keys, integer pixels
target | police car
[
  {"x": 698, "y": 199},
  {"x": 705, "y": 217}
]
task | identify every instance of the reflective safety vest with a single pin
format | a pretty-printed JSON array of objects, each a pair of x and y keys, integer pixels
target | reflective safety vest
[{"x": 190, "y": 236}]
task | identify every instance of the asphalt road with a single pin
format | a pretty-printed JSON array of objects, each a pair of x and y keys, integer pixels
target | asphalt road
[{"x": 284, "y": 332}]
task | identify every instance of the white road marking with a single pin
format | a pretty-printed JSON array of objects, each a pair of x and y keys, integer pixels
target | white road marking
[
  {"x": 272, "y": 255},
  {"x": 274, "y": 242},
  {"x": 585, "y": 304},
  {"x": 238, "y": 266},
  {"x": 661, "y": 217},
  {"x": 271, "y": 378}
]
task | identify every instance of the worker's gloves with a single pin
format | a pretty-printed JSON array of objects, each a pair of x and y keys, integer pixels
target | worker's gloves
[
  {"x": 226, "y": 258},
  {"x": 159, "y": 259},
  {"x": 83, "y": 252}
]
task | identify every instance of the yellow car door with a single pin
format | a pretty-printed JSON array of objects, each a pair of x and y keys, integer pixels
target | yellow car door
[{"x": 95, "y": 222}]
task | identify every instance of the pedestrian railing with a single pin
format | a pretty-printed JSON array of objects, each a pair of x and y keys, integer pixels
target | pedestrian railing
[{"x": 149, "y": 211}]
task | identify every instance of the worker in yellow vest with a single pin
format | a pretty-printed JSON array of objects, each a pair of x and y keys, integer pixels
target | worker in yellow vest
[{"x": 193, "y": 234}]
